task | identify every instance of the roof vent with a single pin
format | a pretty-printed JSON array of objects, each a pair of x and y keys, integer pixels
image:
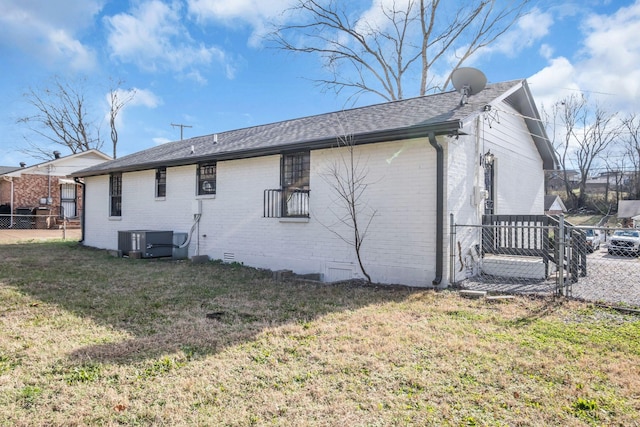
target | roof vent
[
  {"x": 468, "y": 81},
  {"x": 215, "y": 138},
  {"x": 22, "y": 164},
  {"x": 56, "y": 154}
]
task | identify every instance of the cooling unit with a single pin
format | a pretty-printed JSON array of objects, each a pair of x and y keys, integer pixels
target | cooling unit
[{"x": 150, "y": 244}]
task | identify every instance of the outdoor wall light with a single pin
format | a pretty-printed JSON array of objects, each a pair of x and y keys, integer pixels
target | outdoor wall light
[{"x": 487, "y": 159}]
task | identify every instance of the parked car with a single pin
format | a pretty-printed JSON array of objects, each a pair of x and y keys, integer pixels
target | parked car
[
  {"x": 594, "y": 239},
  {"x": 625, "y": 242}
]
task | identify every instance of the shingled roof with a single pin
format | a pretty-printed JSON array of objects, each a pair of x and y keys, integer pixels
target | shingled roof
[
  {"x": 440, "y": 113},
  {"x": 628, "y": 208},
  {"x": 7, "y": 169}
]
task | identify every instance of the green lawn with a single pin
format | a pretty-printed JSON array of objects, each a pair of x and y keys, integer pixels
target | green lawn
[{"x": 88, "y": 339}]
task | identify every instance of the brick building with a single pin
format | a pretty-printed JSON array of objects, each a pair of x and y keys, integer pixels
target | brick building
[
  {"x": 38, "y": 195},
  {"x": 267, "y": 196}
]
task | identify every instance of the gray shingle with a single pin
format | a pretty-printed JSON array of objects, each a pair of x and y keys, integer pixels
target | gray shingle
[
  {"x": 628, "y": 208},
  {"x": 424, "y": 111},
  {"x": 7, "y": 169}
]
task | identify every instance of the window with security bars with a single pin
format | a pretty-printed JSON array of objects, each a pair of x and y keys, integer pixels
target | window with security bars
[
  {"x": 161, "y": 182},
  {"x": 292, "y": 198},
  {"x": 115, "y": 194},
  {"x": 295, "y": 171},
  {"x": 68, "y": 200},
  {"x": 295, "y": 184},
  {"x": 206, "y": 178}
]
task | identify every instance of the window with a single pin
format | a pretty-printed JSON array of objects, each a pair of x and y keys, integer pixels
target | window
[
  {"x": 206, "y": 178},
  {"x": 295, "y": 171},
  {"x": 68, "y": 200},
  {"x": 295, "y": 184},
  {"x": 161, "y": 182},
  {"x": 115, "y": 194}
]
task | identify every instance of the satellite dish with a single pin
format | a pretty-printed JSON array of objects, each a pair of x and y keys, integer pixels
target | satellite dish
[{"x": 468, "y": 81}]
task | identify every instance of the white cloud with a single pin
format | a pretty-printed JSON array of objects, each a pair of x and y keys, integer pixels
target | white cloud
[
  {"x": 611, "y": 56},
  {"x": 260, "y": 15},
  {"x": 546, "y": 51},
  {"x": 143, "y": 97},
  {"x": 606, "y": 67},
  {"x": 153, "y": 37},
  {"x": 528, "y": 30},
  {"x": 132, "y": 98},
  {"x": 376, "y": 18},
  {"x": 48, "y": 31},
  {"x": 160, "y": 140},
  {"x": 553, "y": 82}
]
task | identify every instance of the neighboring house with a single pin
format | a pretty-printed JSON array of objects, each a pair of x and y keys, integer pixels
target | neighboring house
[
  {"x": 608, "y": 181},
  {"x": 553, "y": 205},
  {"x": 629, "y": 213},
  {"x": 555, "y": 179},
  {"x": 265, "y": 196},
  {"x": 44, "y": 190}
]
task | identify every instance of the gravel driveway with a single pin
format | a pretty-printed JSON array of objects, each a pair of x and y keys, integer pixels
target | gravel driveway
[{"x": 611, "y": 279}]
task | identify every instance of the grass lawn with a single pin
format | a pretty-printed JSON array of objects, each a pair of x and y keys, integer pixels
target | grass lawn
[
  {"x": 88, "y": 339},
  {"x": 584, "y": 220}
]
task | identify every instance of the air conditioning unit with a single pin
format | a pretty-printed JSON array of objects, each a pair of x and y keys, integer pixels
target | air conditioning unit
[{"x": 149, "y": 243}]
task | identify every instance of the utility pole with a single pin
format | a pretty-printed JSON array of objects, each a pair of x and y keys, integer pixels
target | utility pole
[{"x": 181, "y": 126}]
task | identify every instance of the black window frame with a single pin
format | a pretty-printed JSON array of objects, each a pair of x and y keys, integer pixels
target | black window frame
[
  {"x": 115, "y": 194},
  {"x": 206, "y": 173},
  {"x": 295, "y": 173},
  {"x": 161, "y": 182},
  {"x": 296, "y": 170}
]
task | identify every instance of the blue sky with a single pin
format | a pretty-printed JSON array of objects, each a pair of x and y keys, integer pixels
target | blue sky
[{"x": 203, "y": 63}]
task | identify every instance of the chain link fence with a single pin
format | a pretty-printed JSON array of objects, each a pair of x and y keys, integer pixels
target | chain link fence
[
  {"x": 505, "y": 255},
  {"x": 37, "y": 225},
  {"x": 544, "y": 255}
]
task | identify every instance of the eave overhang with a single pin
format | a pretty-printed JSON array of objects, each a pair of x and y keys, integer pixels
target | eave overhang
[{"x": 443, "y": 128}]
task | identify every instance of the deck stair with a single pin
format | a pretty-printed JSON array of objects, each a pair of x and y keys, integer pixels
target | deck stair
[{"x": 527, "y": 246}]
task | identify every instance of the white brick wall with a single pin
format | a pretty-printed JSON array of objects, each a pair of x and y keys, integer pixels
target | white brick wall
[
  {"x": 401, "y": 177},
  {"x": 399, "y": 246},
  {"x": 518, "y": 174}
]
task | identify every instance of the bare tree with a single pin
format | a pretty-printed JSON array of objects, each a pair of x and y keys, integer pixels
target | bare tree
[
  {"x": 117, "y": 100},
  {"x": 614, "y": 172},
  {"x": 62, "y": 117},
  {"x": 631, "y": 142},
  {"x": 402, "y": 45},
  {"x": 347, "y": 177},
  {"x": 586, "y": 131}
]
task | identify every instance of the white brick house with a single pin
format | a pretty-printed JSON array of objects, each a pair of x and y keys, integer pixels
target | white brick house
[{"x": 424, "y": 160}]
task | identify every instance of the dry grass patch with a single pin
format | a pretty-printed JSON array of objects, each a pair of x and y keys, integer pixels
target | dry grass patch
[{"x": 86, "y": 339}]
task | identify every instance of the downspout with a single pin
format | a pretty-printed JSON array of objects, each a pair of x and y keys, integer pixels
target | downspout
[
  {"x": 439, "y": 208},
  {"x": 12, "y": 202},
  {"x": 49, "y": 184},
  {"x": 10, "y": 179},
  {"x": 84, "y": 207}
]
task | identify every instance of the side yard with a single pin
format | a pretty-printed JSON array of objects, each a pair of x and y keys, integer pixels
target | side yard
[
  {"x": 89, "y": 339},
  {"x": 8, "y": 235}
]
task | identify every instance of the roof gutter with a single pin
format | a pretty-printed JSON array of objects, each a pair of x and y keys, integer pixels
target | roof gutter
[
  {"x": 439, "y": 208},
  {"x": 442, "y": 128}
]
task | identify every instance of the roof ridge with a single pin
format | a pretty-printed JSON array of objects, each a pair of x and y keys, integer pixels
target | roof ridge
[
  {"x": 329, "y": 113},
  {"x": 394, "y": 119}
]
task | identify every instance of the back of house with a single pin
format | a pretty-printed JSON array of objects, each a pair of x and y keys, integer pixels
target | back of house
[{"x": 367, "y": 190}]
